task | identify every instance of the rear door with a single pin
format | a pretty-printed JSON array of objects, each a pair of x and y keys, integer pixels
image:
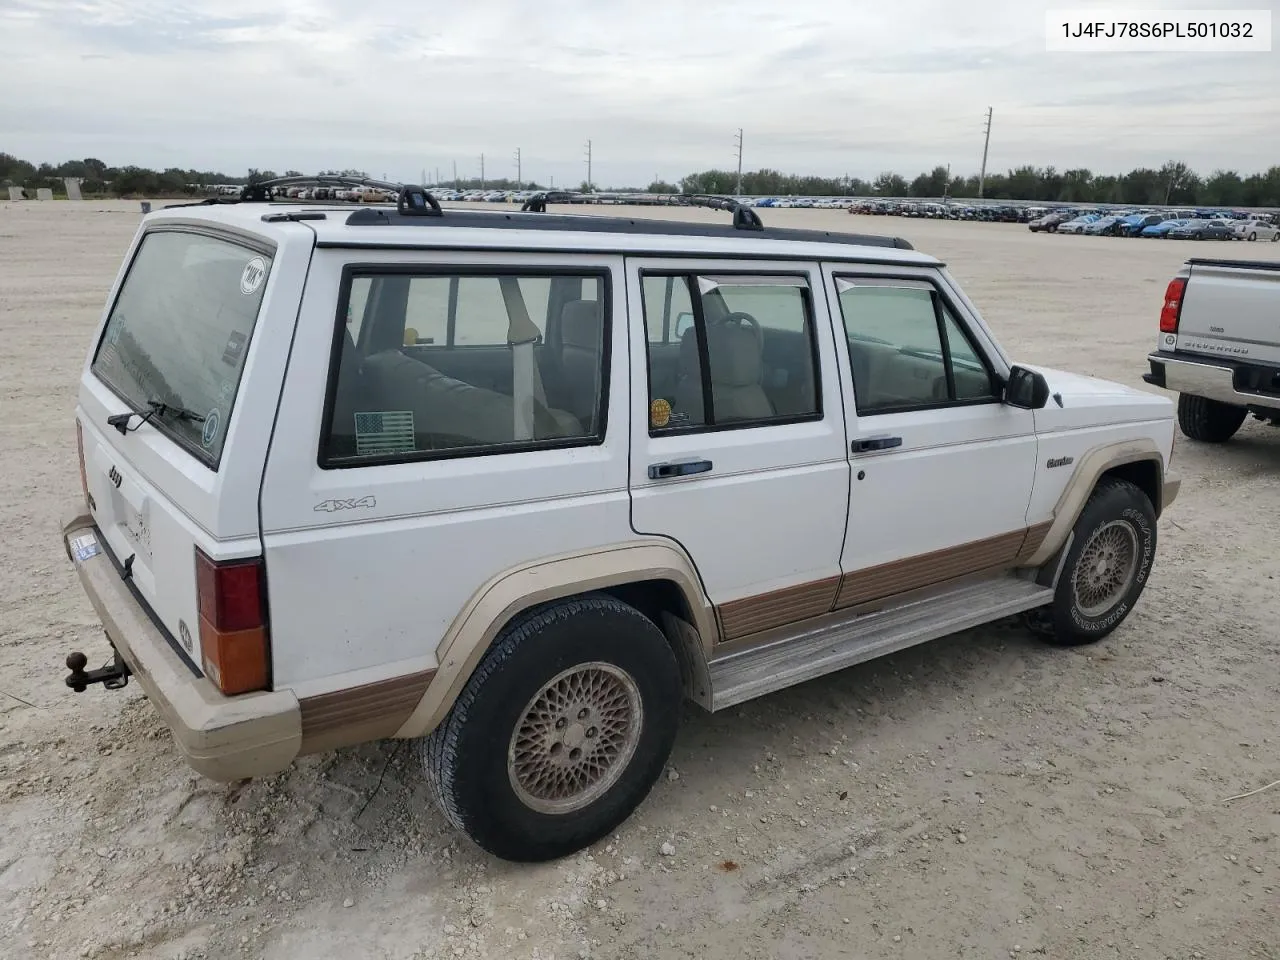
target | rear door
[
  {"x": 738, "y": 434},
  {"x": 1230, "y": 309},
  {"x": 189, "y": 328}
]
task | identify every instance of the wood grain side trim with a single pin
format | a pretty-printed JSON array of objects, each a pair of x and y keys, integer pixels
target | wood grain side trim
[
  {"x": 912, "y": 573},
  {"x": 372, "y": 711},
  {"x": 741, "y": 618},
  {"x": 1035, "y": 537}
]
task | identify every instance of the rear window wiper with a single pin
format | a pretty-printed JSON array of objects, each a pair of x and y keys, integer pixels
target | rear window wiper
[{"x": 158, "y": 408}]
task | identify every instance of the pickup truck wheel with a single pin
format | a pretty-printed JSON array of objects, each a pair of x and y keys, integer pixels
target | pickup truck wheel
[
  {"x": 561, "y": 731},
  {"x": 1209, "y": 421},
  {"x": 1106, "y": 568}
]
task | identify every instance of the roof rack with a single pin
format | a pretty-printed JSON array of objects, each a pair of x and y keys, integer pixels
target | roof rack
[
  {"x": 744, "y": 218},
  {"x": 263, "y": 190}
]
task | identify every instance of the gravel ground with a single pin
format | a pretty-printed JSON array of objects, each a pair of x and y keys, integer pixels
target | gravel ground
[{"x": 981, "y": 796}]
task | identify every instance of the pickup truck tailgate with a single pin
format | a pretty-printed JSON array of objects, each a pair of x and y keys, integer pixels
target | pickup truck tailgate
[{"x": 1231, "y": 309}]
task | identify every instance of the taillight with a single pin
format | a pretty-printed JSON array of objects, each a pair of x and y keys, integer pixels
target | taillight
[
  {"x": 234, "y": 647},
  {"x": 1172, "y": 308},
  {"x": 84, "y": 478}
]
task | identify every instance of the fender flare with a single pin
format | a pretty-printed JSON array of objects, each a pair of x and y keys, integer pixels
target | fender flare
[
  {"x": 508, "y": 594},
  {"x": 1089, "y": 468}
]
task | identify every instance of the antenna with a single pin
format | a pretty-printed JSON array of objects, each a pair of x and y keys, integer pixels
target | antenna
[
  {"x": 982, "y": 177},
  {"x": 738, "y": 140}
]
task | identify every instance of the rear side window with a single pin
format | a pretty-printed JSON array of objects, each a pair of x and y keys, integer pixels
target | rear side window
[
  {"x": 445, "y": 364},
  {"x": 178, "y": 334}
]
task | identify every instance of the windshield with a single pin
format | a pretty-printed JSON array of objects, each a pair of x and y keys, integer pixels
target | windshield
[{"x": 179, "y": 332}]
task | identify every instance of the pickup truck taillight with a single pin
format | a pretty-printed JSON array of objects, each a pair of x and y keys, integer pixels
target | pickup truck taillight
[
  {"x": 234, "y": 645},
  {"x": 1172, "y": 308}
]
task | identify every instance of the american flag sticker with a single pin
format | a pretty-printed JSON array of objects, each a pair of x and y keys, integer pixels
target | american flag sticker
[{"x": 387, "y": 431}]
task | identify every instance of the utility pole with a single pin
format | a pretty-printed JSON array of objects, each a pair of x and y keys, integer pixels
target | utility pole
[
  {"x": 738, "y": 190},
  {"x": 455, "y": 174},
  {"x": 423, "y": 181},
  {"x": 519, "y": 178},
  {"x": 482, "y": 171},
  {"x": 982, "y": 177},
  {"x": 946, "y": 187},
  {"x": 589, "y": 183}
]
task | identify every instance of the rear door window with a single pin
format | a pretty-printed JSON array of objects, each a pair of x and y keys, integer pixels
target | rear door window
[{"x": 178, "y": 334}]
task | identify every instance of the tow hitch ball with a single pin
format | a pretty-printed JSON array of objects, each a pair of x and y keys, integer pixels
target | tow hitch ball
[{"x": 113, "y": 676}]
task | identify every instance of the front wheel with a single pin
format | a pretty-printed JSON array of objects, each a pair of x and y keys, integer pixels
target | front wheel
[
  {"x": 1209, "y": 421},
  {"x": 561, "y": 731},
  {"x": 1107, "y": 566}
]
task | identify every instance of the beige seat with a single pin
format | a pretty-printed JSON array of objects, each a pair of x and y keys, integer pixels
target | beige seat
[
  {"x": 451, "y": 412},
  {"x": 736, "y": 367}
]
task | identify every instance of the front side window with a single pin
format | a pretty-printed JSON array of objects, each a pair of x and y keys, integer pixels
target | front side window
[
  {"x": 453, "y": 364},
  {"x": 175, "y": 343},
  {"x": 728, "y": 351},
  {"x": 907, "y": 349}
]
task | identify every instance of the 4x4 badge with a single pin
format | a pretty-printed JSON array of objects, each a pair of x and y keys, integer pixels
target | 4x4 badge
[{"x": 329, "y": 506}]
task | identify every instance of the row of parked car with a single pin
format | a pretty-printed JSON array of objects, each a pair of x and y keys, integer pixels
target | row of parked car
[{"x": 1175, "y": 225}]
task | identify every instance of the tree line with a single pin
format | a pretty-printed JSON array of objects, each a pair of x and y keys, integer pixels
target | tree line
[{"x": 1174, "y": 183}]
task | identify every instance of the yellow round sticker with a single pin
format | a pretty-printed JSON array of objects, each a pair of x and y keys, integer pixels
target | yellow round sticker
[{"x": 659, "y": 413}]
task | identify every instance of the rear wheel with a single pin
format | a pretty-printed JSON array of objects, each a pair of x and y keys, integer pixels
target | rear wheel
[
  {"x": 1106, "y": 568},
  {"x": 561, "y": 731},
  {"x": 1253, "y": 236},
  {"x": 1209, "y": 421}
]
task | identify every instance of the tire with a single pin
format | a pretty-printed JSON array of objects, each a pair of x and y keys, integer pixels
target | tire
[
  {"x": 1107, "y": 566},
  {"x": 471, "y": 759},
  {"x": 1252, "y": 237},
  {"x": 1209, "y": 421}
]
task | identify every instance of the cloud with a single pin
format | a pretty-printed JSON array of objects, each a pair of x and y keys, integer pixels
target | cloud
[{"x": 660, "y": 87}]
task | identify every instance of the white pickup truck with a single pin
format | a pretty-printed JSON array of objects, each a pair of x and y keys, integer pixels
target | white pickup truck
[{"x": 1219, "y": 345}]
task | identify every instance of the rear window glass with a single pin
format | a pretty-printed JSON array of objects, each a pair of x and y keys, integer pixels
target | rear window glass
[{"x": 179, "y": 332}]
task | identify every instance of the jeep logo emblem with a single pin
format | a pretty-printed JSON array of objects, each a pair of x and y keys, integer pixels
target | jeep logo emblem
[{"x": 114, "y": 476}]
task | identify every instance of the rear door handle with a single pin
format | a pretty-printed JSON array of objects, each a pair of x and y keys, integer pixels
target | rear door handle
[
  {"x": 867, "y": 444},
  {"x": 680, "y": 468}
]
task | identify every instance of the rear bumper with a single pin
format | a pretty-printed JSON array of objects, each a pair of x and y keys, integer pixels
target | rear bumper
[
  {"x": 1211, "y": 379},
  {"x": 223, "y": 738}
]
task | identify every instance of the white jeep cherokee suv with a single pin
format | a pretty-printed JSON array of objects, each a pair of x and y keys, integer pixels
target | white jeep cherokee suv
[{"x": 515, "y": 485}]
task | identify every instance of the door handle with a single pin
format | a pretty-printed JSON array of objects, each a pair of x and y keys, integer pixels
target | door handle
[
  {"x": 680, "y": 468},
  {"x": 867, "y": 444}
]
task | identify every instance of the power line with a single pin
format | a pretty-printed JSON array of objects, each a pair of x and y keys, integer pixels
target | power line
[{"x": 982, "y": 177}]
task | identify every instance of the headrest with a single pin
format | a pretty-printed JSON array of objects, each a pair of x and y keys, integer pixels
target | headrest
[
  {"x": 580, "y": 324},
  {"x": 735, "y": 354}
]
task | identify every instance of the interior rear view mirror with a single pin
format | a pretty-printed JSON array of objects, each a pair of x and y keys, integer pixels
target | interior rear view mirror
[{"x": 1026, "y": 389}]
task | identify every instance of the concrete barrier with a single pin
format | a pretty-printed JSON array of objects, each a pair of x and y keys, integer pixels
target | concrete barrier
[
  {"x": 73, "y": 188},
  {"x": 15, "y": 193},
  {"x": 44, "y": 193}
]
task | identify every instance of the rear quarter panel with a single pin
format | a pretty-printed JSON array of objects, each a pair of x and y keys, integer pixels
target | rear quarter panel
[{"x": 1231, "y": 311}]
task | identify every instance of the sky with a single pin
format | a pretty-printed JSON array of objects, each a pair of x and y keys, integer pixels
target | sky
[{"x": 659, "y": 87}]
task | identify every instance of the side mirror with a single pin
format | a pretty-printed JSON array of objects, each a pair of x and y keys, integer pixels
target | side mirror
[{"x": 1026, "y": 389}]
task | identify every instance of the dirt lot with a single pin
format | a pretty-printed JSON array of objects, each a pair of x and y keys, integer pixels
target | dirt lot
[{"x": 982, "y": 796}]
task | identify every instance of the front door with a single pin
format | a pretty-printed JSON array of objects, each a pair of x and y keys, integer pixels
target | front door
[
  {"x": 738, "y": 435},
  {"x": 942, "y": 469}
]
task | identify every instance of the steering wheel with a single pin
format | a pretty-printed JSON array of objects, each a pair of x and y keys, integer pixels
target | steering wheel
[{"x": 747, "y": 319}]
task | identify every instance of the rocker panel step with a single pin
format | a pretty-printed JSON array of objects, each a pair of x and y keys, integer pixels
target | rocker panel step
[{"x": 818, "y": 650}]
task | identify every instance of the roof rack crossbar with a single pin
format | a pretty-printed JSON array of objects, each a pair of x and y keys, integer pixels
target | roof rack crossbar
[
  {"x": 744, "y": 218},
  {"x": 261, "y": 190}
]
